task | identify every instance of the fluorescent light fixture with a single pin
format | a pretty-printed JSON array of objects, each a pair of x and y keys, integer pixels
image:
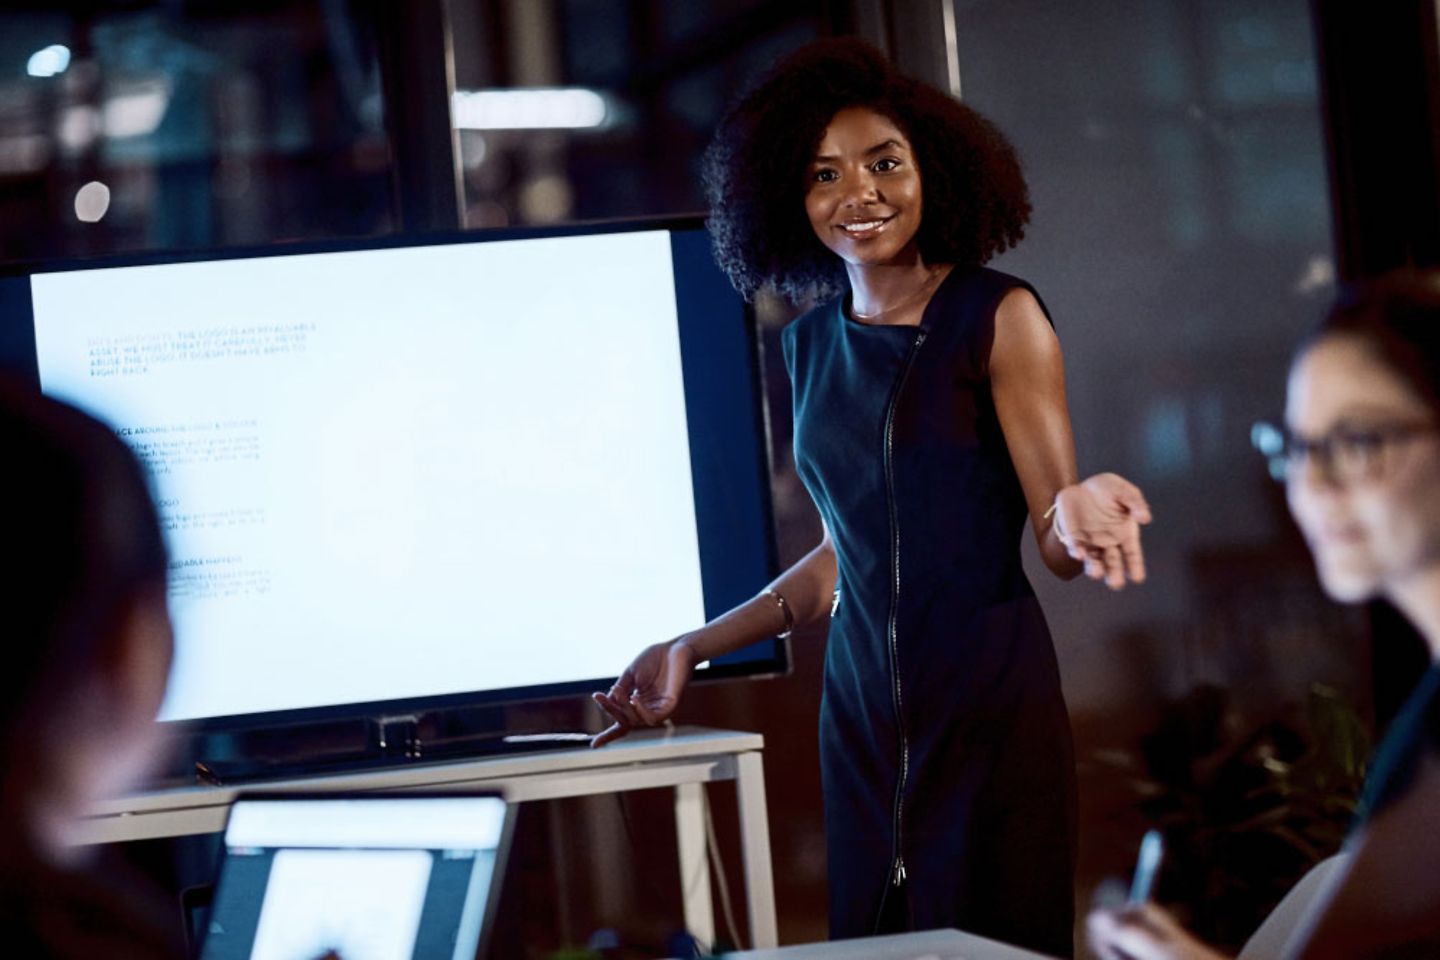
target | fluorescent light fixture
[
  {"x": 136, "y": 113},
  {"x": 537, "y": 108},
  {"x": 50, "y": 62}
]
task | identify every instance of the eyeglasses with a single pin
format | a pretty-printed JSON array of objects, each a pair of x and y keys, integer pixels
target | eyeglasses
[{"x": 1345, "y": 454}]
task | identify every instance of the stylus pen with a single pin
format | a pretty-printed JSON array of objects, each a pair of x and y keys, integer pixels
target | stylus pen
[
  {"x": 1152, "y": 848},
  {"x": 206, "y": 776}
]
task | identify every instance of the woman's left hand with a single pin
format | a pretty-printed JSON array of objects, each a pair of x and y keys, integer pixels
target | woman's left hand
[
  {"x": 1143, "y": 932},
  {"x": 1098, "y": 520}
]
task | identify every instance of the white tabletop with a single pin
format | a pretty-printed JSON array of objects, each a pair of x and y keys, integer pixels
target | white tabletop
[
  {"x": 928, "y": 945},
  {"x": 641, "y": 746}
]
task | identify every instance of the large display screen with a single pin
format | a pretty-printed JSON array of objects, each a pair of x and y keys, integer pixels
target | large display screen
[{"x": 475, "y": 469}]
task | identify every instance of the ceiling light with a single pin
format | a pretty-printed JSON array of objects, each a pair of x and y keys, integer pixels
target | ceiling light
[
  {"x": 50, "y": 62},
  {"x": 552, "y": 108}
]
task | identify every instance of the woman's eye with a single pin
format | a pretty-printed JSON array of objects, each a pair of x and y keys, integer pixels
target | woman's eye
[
  {"x": 825, "y": 176},
  {"x": 1360, "y": 442},
  {"x": 885, "y": 165}
]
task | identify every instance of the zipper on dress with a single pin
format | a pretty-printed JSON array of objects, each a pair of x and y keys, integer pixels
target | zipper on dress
[{"x": 897, "y": 872}]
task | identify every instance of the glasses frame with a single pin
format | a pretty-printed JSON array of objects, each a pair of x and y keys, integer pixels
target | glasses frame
[{"x": 1345, "y": 454}]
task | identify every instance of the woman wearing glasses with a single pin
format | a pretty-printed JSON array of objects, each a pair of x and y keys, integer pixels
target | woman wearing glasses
[{"x": 1360, "y": 456}]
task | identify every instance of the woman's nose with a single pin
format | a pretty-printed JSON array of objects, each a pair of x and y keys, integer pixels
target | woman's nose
[{"x": 862, "y": 189}]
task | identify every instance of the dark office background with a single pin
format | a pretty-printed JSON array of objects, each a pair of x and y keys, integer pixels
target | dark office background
[{"x": 1203, "y": 171}]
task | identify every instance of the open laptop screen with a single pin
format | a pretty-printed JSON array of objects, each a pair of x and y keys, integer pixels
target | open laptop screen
[{"x": 363, "y": 878}]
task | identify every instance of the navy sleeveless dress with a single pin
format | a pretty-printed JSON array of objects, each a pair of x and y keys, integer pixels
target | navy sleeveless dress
[{"x": 946, "y": 759}]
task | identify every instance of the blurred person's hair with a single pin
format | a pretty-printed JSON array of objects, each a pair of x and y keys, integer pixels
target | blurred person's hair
[
  {"x": 1397, "y": 316},
  {"x": 80, "y": 547}
]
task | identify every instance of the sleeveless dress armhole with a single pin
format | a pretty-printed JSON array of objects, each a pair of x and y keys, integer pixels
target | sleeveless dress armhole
[{"x": 986, "y": 338}]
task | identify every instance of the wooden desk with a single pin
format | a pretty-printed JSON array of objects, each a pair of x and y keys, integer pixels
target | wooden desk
[{"x": 685, "y": 758}]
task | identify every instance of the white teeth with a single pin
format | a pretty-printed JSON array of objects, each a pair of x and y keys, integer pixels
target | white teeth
[{"x": 862, "y": 227}]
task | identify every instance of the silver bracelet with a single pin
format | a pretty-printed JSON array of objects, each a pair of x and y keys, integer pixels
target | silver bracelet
[
  {"x": 1054, "y": 511},
  {"x": 784, "y": 610}
]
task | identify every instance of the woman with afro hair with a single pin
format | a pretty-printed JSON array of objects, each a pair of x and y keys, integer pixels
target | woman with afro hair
[{"x": 930, "y": 423}]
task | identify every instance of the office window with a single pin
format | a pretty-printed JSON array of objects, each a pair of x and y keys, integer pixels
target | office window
[
  {"x": 1181, "y": 238},
  {"x": 592, "y": 109},
  {"x": 186, "y": 126}
]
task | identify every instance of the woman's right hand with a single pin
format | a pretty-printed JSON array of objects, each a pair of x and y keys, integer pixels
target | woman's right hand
[{"x": 649, "y": 690}]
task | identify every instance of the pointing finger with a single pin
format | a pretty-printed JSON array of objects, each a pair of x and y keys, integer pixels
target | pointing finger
[{"x": 613, "y": 732}]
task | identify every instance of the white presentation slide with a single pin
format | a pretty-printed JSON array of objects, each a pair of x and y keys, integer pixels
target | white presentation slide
[
  {"x": 398, "y": 473},
  {"x": 356, "y": 904}
]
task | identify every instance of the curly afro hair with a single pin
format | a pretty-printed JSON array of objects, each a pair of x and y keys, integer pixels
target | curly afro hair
[{"x": 976, "y": 200}]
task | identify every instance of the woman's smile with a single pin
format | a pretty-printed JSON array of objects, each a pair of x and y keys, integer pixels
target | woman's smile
[{"x": 865, "y": 229}]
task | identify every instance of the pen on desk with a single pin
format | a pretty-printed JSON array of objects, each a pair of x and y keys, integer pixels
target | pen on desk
[{"x": 1152, "y": 848}]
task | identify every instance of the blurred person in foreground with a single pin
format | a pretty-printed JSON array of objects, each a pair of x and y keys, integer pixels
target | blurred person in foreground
[
  {"x": 87, "y": 655},
  {"x": 1360, "y": 455}
]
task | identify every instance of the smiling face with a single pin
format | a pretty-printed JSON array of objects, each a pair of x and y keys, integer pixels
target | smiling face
[
  {"x": 1371, "y": 532},
  {"x": 862, "y": 191}
]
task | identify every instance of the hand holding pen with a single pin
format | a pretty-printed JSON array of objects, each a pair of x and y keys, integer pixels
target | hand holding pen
[{"x": 1140, "y": 930}]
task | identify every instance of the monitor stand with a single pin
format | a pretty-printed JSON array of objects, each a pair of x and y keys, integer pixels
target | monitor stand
[{"x": 389, "y": 740}]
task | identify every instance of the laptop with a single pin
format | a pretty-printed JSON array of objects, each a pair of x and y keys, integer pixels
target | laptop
[{"x": 369, "y": 877}]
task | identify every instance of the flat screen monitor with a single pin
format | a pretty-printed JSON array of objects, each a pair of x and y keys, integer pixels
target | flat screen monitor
[{"x": 398, "y": 475}]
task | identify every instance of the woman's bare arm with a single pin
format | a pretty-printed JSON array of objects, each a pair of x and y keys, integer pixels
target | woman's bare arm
[
  {"x": 808, "y": 588},
  {"x": 1102, "y": 514},
  {"x": 649, "y": 690},
  {"x": 1027, "y": 378}
]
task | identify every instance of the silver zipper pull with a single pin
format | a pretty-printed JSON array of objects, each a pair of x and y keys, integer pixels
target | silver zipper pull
[
  {"x": 835, "y": 603},
  {"x": 899, "y": 877}
]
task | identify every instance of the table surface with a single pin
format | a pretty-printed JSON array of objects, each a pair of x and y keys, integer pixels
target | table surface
[
  {"x": 642, "y": 746},
  {"x": 927, "y": 945}
]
